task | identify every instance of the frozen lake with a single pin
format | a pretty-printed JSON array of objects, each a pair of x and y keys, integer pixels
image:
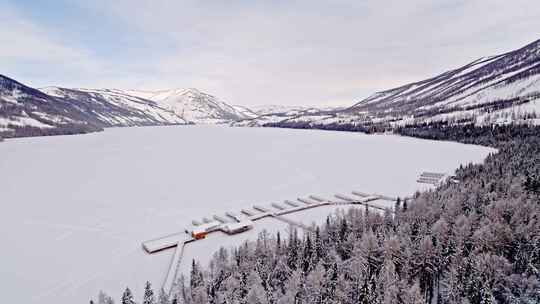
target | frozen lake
[{"x": 76, "y": 208}]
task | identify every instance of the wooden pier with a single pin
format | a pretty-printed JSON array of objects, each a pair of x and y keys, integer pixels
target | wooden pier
[{"x": 432, "y": 178}]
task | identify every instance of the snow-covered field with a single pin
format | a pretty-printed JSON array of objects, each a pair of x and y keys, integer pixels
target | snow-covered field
[{"x": 76, "y": 208}]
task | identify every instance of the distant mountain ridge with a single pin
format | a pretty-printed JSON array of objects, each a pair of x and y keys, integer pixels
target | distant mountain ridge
[
  {"x": 25, "y": 111},
  {"x": 491, "y": 90},
  {"x": 192, "y": 105},
  {"x": 111, "y": 108}
]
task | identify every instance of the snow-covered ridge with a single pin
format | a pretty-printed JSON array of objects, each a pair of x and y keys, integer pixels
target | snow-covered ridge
[
  {"x": 26, "y": 111},
  {"x": 270, "y": 114},
  {"x": 114, "y": 108},
  {"x": 192, "y": 105},
  {"x": 247, "y": 112},
  {"x": 486, "y": 80},
  {"x": 497, "y": 89}
]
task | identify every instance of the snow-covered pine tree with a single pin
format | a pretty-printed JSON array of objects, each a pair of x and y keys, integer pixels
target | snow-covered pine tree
[
  {"x": 293, "y": 249},
  {"x": 127, "y": 297},
  {"x": 196, "y": 276},
  {"x": 148, "y": 297},
  {"x": 256, "y": 293}
]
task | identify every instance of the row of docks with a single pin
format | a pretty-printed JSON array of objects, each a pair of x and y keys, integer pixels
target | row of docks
[
  {"x": 431, "y": 178},
  {"x": 233, "y": 222},
  {"x": 237, "y": 222}
]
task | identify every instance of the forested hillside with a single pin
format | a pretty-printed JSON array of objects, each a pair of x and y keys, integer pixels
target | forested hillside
[
  {"x": 25, "y": 111},
  {"x": 476, "y": 241}
]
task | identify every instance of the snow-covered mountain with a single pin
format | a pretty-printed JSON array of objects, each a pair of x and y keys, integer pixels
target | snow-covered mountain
[
  {"x": 497, "y": 89},
  {"x": 193, "y": 105},
  {"x": 276, "y": 109},
  {"x": 246, "y": 112},
  {"x": 25, "y": 111},
  {"x": 114, "y": 108},
  {"x": 508, "y": 80},
  {"x": 270, "y": 114}
]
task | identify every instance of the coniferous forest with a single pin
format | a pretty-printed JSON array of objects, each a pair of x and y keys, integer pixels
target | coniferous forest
[{"x": 475, "y": 239}]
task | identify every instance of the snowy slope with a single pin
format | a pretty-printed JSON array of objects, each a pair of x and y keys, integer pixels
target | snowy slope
[
  {"x": 247, "y": 112},
  {"x": 113, "y": 108},
  {"x": 484, "y": 81},
  {"x": 193, "y": 105},
  {"x": 25, "y": 111},
  {"x": 273, "y": 109},
  {"x": 498, "y": 89},
  {"x": 269, "y": 114}
]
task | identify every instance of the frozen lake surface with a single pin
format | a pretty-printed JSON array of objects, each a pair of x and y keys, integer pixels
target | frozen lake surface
[{"x": 75, "y": 209}]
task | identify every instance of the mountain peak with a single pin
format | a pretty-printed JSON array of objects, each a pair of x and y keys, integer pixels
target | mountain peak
[
  {"x": 192, "y": 90},
  {"x": 192, "y": 104}
]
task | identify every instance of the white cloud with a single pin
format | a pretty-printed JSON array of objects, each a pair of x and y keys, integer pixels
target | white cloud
[{"x": 302, "y": 52}]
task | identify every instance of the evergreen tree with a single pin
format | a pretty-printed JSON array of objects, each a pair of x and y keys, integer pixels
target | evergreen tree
[
  {"x": 292, "y": 249},
  {"x": 278, "y": 243},
  {"x": 279, "y": 276},
  {"x": 397, "y": 207},
  {"x": 328, "y": 292},
  {"x": 256, "y": 293},
  {"x": 319, "y": 249},
  {"x": 148, "y": 294},
  {"x": 196, "y": 276},
  {"x": 127, "y": 297},
  {"x": 307, "y": 255}
]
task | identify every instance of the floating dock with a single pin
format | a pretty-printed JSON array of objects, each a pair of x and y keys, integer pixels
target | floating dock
[
  {"x": 248, "y": 212},
  {"x": 291, "y": 203},
  {"x": 166, "y": 242},
  {"x": 220, "y": 219},
  {"x": 234, "y": 216},
  {"x": 317, "y": 198},
  {"x": 305, "y": 201},
  {"x": 261, "y": 209},
  {"x": 345, "y": 198},
  {"x": 361, "y": 194},
  {"x": 278, "y": 206},
  {"x": 432, "y": 178}
]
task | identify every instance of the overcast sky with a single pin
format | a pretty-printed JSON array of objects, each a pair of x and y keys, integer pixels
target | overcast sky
[{"x": 255, "y": 52}]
